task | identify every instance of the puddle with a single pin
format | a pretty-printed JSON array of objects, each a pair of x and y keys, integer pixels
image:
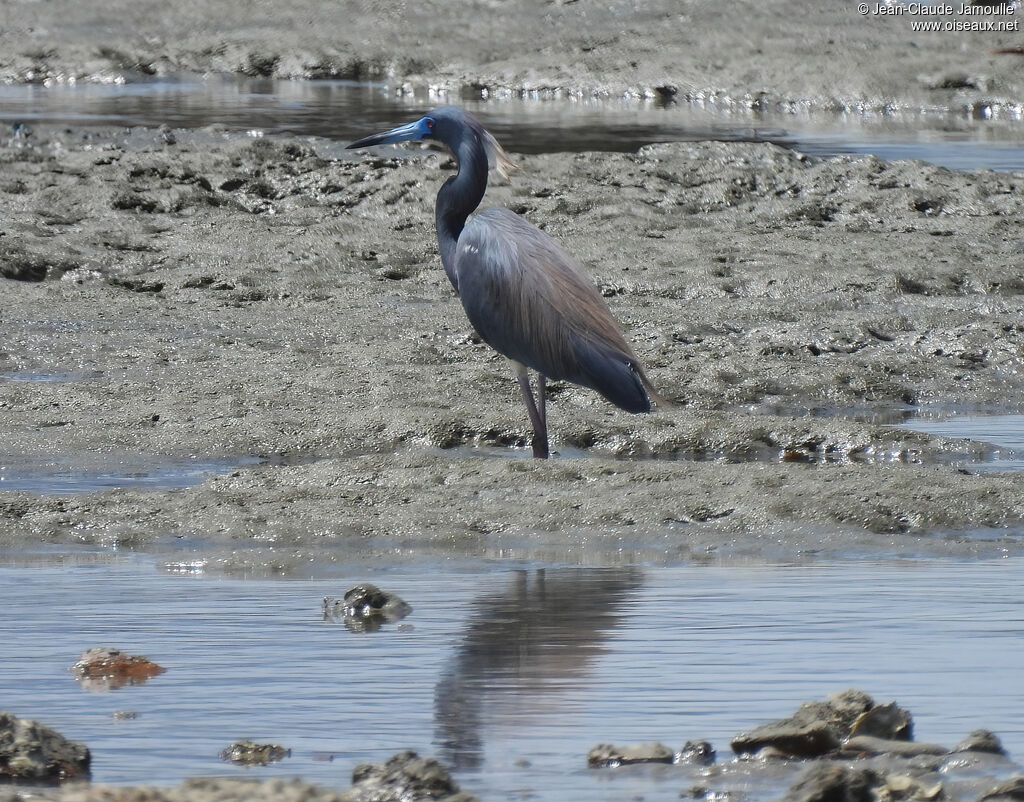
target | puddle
[
  {"x": 46, "y": 378},
  {"x": 510, "y": 674},
  {"x": 736, "y": 453},
  {"x": 493, "y": 451},
  {"x": 66, "y": 475},
  {"x": 1005, "y": 432},
  {"x": 343, "y": 110}
]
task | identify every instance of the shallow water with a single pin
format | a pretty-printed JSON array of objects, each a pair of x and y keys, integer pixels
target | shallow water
[
  {"x": 87, "y": 473},
  {"x": 344, "y": 110},
  {"x": 1005, "y": 432},
  {"x": 502, "y": 663}
]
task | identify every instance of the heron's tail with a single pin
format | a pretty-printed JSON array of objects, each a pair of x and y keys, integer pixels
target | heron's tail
[
  {"x": 652, "y": 393},
  {"x": 614, "y": 375}
]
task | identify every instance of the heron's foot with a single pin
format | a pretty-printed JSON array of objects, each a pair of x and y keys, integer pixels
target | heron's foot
[{"x": 540, "y": 445}]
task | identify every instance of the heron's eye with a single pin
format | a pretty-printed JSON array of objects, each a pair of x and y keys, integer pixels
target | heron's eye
[{"x": 430, "y": 123}]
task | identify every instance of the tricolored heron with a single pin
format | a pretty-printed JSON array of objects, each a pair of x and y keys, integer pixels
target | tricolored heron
[{"x": 524, "y": 295}]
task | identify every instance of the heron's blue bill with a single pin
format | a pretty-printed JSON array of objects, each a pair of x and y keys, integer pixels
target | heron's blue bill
[{"x": 403, "y": 133}]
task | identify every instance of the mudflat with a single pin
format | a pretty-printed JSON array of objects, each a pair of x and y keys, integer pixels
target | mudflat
[
  {"x": 172, "y": 294},
  {"x": 253, "y": 298},
  {"x": 220, "y": 296}
]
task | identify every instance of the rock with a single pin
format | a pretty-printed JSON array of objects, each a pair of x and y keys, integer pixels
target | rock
[
  {"x": 884, "y": 721},
  {"x": 253, "y": 754},
  {"x": 365, "y": 608},
  {"x": 903, "y": 786},
  {"x": 33, "y": 752},
  {"x": 608, "y": 755},
  {"x": 1010, "y": 789},
  {"x": 703, "y": 792},
  {"x": 869, "y": 745},
  {"x": 817, "y": 728},
  {"x": 790, "y": 737},
  {"x": 826, "y": 782},
  {"x": 698, "y": 753},
  {"x": 199, "y": 789},
  {"x": 103, "y": 668},
  {"x": 404, "y": 778},
  {"x": 848, "y": 705},
  {"x": 981, "y": 741}
]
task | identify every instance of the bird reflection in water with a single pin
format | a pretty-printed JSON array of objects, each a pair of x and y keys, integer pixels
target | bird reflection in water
[{"x": 521, "y": 647}]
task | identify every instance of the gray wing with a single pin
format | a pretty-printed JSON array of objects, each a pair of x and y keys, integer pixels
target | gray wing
[{"x": 528, "y": 300}]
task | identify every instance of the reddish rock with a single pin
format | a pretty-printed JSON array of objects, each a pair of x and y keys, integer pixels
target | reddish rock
[{"x": 102, "y": 668}]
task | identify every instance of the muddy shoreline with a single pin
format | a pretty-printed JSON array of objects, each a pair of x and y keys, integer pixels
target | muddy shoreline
[
  {"x": 221, "y": 296},
  {"x": 757, "y": 55},
  {"x": 847, "y": 747},
  {"x": 251, "y": 297}
]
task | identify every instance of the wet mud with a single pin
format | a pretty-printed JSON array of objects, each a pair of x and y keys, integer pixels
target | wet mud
[
  {"x": 216, "y": 295},
  {"x": 253, "y": 297},
  {"x": 773, "y": 54}
]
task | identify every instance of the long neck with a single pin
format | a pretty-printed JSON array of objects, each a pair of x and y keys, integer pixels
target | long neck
[{"x": 459, "y": 196}]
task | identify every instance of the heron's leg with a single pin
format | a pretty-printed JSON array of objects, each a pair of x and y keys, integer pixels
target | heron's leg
[
  {"x": 542, "y": 398},
  {"x": 540, "y": 427}
]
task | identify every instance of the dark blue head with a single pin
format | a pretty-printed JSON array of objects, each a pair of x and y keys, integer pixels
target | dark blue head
[
  {"x": 450, "y": 126},
  {"x": 411, "y": 132}
]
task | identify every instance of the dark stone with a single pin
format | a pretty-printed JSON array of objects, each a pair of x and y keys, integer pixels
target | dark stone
[
  {"x": 609, "y": 755},
  {"x": 817, "y": 728},
  {"x": 406, "y": 777},
  {"x": 830, "y": 783},
  {"x": 1010, "y": 789},
  {"x": 32, "y": 752},
  {"x": 869, "y": 745},
  {"x": 365, "y": 608},
  {"x": 789, "y": 736},
  {"x": 249, "y": 753},
  {"x": 981, "y": 741},
  {"x": 699, "y": 753},
  {"x": 887, "y": 721}
]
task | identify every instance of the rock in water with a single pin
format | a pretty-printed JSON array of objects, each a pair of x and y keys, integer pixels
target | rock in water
[
  {"x": 365, "y": 608},
  {"x": 608, "y": 755},
  {"x": 817, "y": 728},
  {"x": 102, "y": 668},
  {"x": 33, "y": 752},
  {"x": 824, "y": 782},
  {"x": 406, "y": 777},
  {"x": 248, "y": 753}
]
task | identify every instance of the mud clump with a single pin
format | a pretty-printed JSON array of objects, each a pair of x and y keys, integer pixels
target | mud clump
[
  {"x": 697, "y": 753},
  {"x": 406, "y": 776},
  {"x": 865, "y": 745},
  {"x": 102, "y": 668},
  {"x": 366, "y": 608},
  {"x": 856, "y": 751},
  {"x": 248, "y": 753},
  {"x": 1012, "y": 789},
  {"x": 817, "y": 728},
  {"x": 884, "y": 721},
  {"x": 610, "y": 756},
  {"x": 981, "y": 741},
  {"x": 827, "y": 783},
  {"x": 31, "y": 752}
]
